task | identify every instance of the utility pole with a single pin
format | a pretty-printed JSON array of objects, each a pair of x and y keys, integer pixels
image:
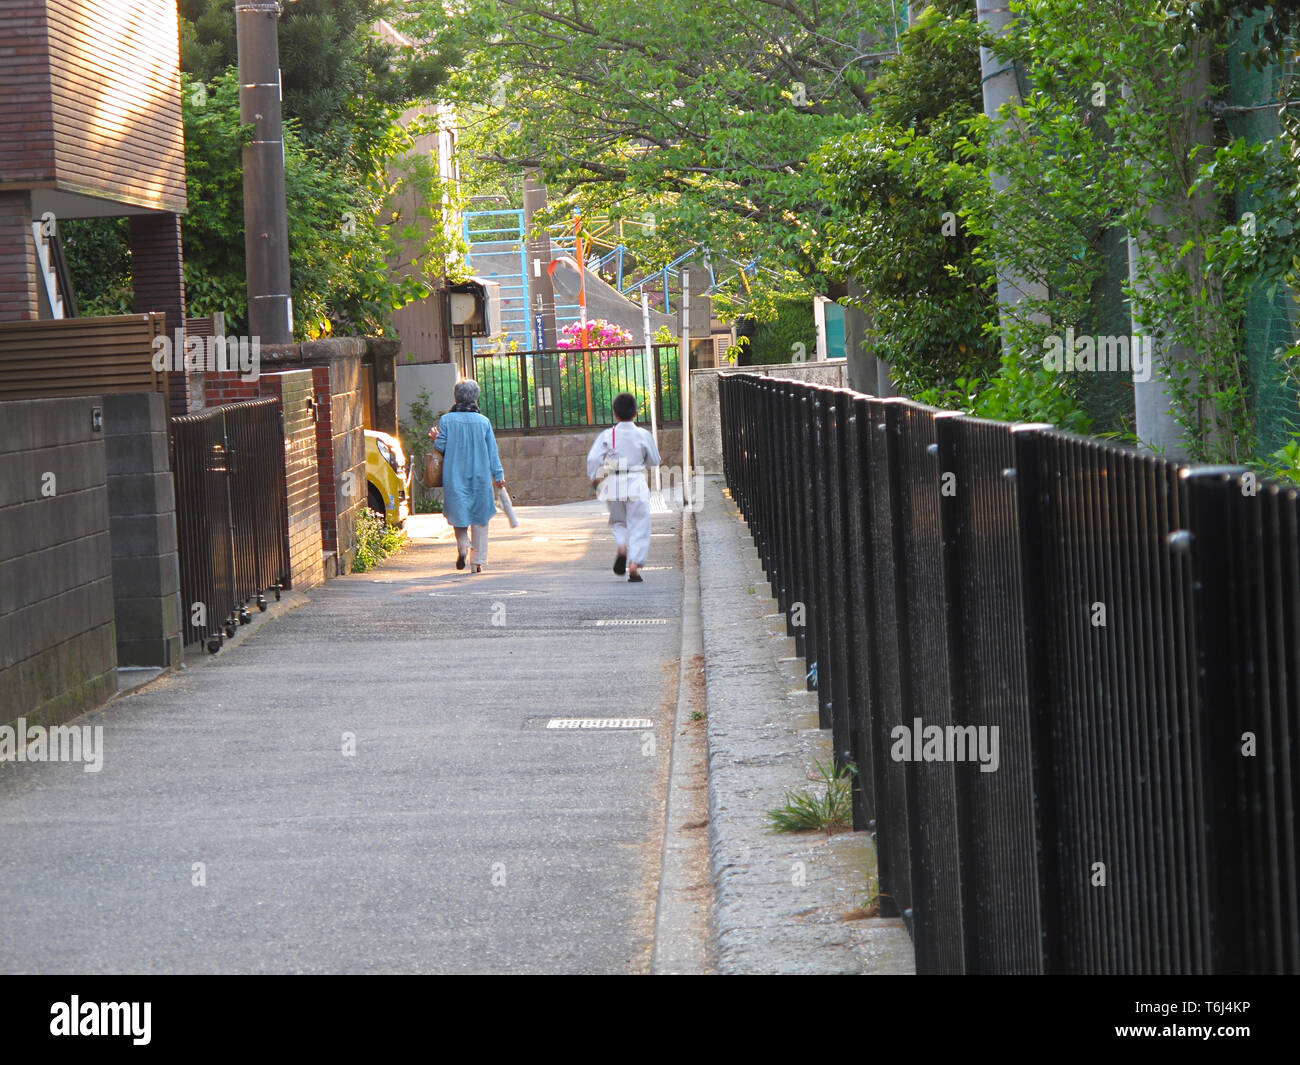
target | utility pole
[
  {"x": 1000, "y": 87},
  {"x": 266, "y": 228},
  {"x": 1155, "y": 409},
  {"x": 539, "y": 258},
  {"x": 546, "y": 368}
]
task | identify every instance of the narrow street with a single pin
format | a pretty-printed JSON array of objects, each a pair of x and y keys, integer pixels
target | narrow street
[{"x": 229, "y": 830}]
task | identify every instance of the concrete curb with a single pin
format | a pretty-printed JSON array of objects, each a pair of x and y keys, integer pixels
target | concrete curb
[
  {"x": 781, "y": 900},
  {"x": 685, "y": 897}
]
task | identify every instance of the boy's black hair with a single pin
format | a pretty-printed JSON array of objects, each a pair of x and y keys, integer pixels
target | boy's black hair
[{"x": 625, "y": 406}]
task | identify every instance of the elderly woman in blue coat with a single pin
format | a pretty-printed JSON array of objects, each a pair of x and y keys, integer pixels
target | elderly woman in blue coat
[{"x": 470, "y": 470}]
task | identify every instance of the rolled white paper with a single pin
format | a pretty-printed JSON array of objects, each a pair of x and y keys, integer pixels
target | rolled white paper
[{"x": 509, "y": 508}]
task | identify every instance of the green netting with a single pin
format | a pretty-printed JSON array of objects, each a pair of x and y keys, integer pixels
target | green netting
[
  {"x": 1107, "y": 398},
  {"x": 1271, "y": 317}
]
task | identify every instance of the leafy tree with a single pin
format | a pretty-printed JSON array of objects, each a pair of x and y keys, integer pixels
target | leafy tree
[
  {"x": 342, "y": 235},
  {"x": 898, "y": 230},
  {"x": 790, "y": 336},
  {"x": 348, "y": 158},
  {"x": 694, "y": 122},
  {"x": 340, "y": 81},
  {"x": 1135, "y": 155},
  {"x": 98, "y": 254},
  {"x": 1107, "y": 143}
]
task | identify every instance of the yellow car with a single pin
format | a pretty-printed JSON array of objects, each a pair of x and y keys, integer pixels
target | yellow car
[{"x": 388, "y": 477}]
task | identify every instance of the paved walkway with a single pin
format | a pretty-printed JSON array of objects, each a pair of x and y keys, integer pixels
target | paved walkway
[{"x": 462, "y": 835}]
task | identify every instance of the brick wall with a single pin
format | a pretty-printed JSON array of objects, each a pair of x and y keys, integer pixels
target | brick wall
[
  {"x": 159, "y": 284},
  {"x": 221, "y": 387},
  {"x": 333, "y": 367},
  {"x": 552, "y": 468},
  {"x": 18, "y": 279},
  {"x": 57, "y": 642},
  {"x": 27, "y": 118},
  {"x": 294, "y": 388}
]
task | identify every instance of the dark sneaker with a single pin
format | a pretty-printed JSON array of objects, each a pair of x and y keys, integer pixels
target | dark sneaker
[
  {"x": 620, "y": 564},
  {"x": 460, "y": 561},
  {"x": 634, "y": 578}
]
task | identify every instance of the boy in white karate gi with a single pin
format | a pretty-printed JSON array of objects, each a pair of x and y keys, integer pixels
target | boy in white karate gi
[{"x": 620, "y": 456}]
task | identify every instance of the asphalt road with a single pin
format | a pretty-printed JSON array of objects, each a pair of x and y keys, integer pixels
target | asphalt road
[{"x": 461, "y": 836}]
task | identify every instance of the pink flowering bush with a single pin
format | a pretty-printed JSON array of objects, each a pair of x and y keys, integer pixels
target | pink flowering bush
[{"x": 600, "y": 334}]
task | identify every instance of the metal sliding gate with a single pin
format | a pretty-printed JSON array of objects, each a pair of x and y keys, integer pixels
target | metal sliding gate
[
  {"x": 1068, "y": 674},
  {"x": 231, "y": 521}
]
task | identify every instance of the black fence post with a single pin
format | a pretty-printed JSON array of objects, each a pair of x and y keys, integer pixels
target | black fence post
[
  {"x": 837, "y": 573},
  {"x": 1132, "y": 628},
  {"x": 1033, "y": 529},
  {"x": 525, "y": 420},
  {"x": 232, "y": 537},
  {"x": 1242, "y": 540},
  {"x": 861, "y": 642},
  {"x": 807, "y": 533},
  {"x": 819, "y": 555}
]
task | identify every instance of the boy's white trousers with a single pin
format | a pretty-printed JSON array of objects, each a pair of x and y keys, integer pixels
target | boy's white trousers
[{"x": 629, "y": 519}]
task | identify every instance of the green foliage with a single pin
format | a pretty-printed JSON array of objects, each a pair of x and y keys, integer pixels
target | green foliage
[
  {"x": 1274, "y": 23},
  {"x": 1080, "y": 158},
  {"x": 606, "y": 373},
  {"x": 416, "y": 445},
  {"x": 348, "y": 165},
  {"x": 1041, "y": 192},
  {"x": 341, "y": 83},
  {"x": 739, "y": 352},
  {"x": 791, "y": 336},
  {"x": 376, "y": 540},
  {"x": 928, "y": 294},
  {"x": 1284, "y": 463},
  {"x": 692, "y": 124},
  {"x": 1020, "y": 391},
  {"x": 98, "y": 253},
  {"x": 827, "y": 806},
  {"x": 342, "y": 232}
]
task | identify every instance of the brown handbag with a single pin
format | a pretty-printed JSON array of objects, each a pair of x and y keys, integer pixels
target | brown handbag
[{"x": 433, "y": 469}]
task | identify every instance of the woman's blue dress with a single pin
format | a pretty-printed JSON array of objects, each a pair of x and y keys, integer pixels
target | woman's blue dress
[{"x": 470, "y": 469}]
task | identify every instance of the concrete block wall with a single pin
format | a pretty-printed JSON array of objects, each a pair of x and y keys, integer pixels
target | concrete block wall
[
  {"x": 296, "y": 393},
  {"x": 542, "y": 469},
  {"x": 142, "y": 514},
  {"x": 58, "y": 653}
]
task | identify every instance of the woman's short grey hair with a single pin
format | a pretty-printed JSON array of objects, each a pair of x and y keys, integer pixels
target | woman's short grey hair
[{"x": 467, "y": 391}]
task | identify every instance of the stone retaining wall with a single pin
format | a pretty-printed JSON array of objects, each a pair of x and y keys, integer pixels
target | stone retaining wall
[{"x": 552, "y": 468}]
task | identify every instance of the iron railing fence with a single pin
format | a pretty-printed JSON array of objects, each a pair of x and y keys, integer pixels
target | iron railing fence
[
  {"x": 231, "y": 521},
  {"x": 576, "y": 387},
  {"x": 1067, "y": 673}
]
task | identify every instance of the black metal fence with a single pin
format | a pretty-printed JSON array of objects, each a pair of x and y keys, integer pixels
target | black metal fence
[
  {"x": 576, "y": 387},
  {"x": 1129, "y": 626},
  {"x": 231, "y": 521}
]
